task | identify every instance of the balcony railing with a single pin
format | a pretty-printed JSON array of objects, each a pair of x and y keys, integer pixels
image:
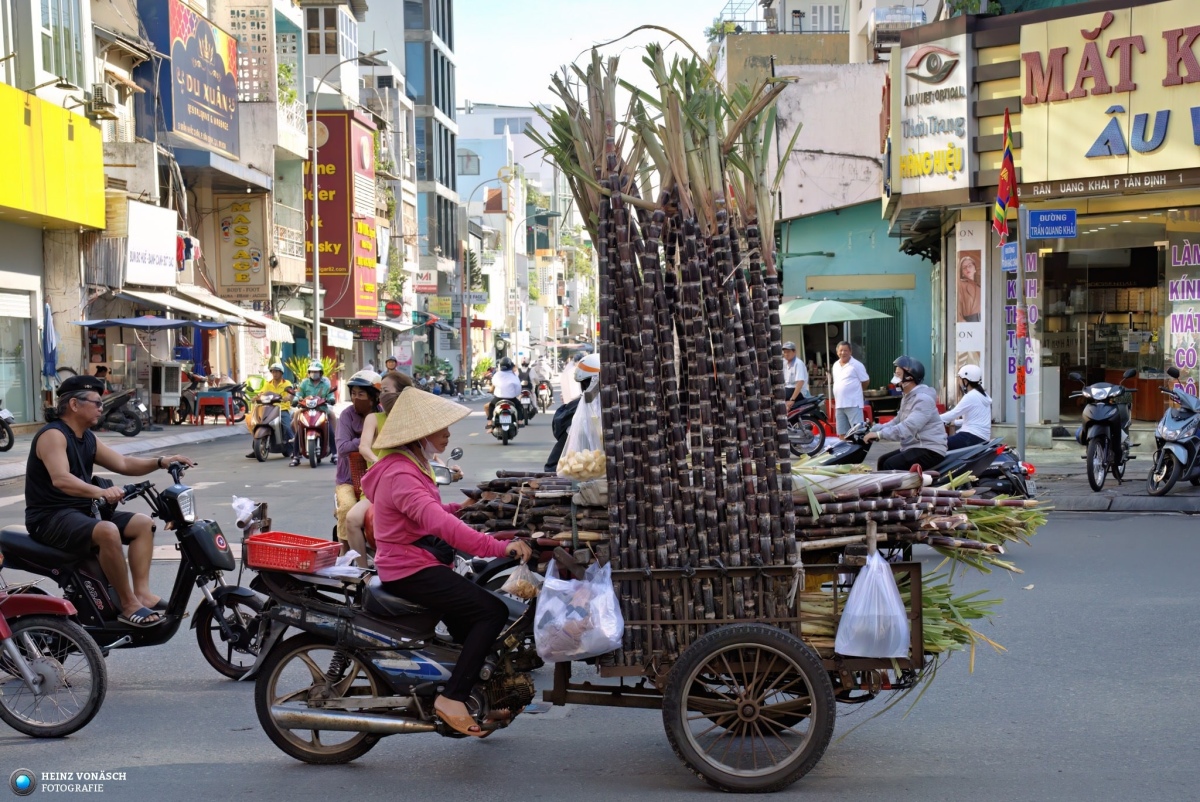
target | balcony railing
[
  {"x": 293, "y": 115},
  {"x": 289, "y": 231}
]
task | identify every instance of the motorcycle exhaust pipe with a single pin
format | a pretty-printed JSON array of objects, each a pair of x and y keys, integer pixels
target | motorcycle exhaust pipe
[{"x": 301, "y": 719}]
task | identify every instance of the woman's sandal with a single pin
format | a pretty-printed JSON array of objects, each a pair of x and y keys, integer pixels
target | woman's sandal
[
  {"x": 143, "y": 617},
  {"x": 464, "y": 724}
]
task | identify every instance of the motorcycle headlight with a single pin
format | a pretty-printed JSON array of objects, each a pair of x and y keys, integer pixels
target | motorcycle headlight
[
  {"x": 1189, "y": 429},
  {"x": 187, "y": 505},
  {"x": 1160, "y": 430},
  {"x": 1100, "y": 394}
]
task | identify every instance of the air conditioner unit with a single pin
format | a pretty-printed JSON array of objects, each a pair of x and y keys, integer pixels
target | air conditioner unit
[{"x": 104, "y": 95}]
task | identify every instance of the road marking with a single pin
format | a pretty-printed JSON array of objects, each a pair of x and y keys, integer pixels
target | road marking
[{"x": 4, "y": 502}]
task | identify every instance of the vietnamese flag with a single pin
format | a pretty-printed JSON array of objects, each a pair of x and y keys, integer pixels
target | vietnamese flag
[{"x": 1006, "y": 189}]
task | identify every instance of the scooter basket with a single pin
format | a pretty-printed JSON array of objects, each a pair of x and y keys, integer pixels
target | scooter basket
[{"x": 281, "y": 551}]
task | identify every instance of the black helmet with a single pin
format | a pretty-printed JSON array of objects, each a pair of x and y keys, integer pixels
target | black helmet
[
  {"x": 912, "y": 368},
  {"x": 506, "y": 364}
]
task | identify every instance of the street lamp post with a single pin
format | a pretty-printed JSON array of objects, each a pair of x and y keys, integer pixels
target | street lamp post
[
  {"x": 316, "y": 232},
  {"x": 520, "y": 226},
  {"x": 465, "y": 283}
]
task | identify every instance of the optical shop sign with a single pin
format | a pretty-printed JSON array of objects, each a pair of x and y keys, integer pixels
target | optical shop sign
[
  {"x": 934, "y": 123},
  {"x": 1109, "y": 103},
  {"x": 1183, "y": 296}
]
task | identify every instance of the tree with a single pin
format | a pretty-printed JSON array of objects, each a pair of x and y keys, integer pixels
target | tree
[
  {"x": 959, "y": 7},
  {"x": 397, "y": 277},
  {"x": 719, "y": 29}
]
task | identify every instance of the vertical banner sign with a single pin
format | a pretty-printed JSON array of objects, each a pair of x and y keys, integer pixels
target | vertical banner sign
[
  {"x": 404, "y": 351},
  {"x": 242, "y": 248},
  {"x": 971, "y": 292},
  {"x": 1183, "y": 298},
  {"x": 1026, "y": 380}
]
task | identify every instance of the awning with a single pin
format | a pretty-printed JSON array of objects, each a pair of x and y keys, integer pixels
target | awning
[
  {"x": 393, "y": 325},
  {"x": 276, "y": 332},
  {"x": 338, "y": 338},
  {"x": 160, "y": 300}
]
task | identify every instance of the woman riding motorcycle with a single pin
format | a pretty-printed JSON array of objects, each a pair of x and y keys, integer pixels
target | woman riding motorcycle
[
  {"x": 416, "y": 535},
  {"x": 973, "y": 413},
  {"x": 917, "y": 425}
]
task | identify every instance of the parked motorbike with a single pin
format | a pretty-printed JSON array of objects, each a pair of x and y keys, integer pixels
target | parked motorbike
[
  {"x": 505, "y": 420},
  {"x": 7, "y": 419},
  {"x": 1176, "y": 442},
  {"x": 1105, "y": 428},
  {"x": 806, "y": 425},
  {"x": 226, "y": 620},
  {"x": 119, "y": 412},
  {"x": 266, "y": 425},
  {"x": 315, "y": 443},
  {"x": 52, "y": 675},
  {"x": 545, "y": 395}
]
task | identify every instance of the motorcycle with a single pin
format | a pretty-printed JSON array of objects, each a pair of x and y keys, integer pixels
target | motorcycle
[
  {"x": 806, "y": 425},
  {"x": 527, "y": 405},
  {"x": 266, "y": 425},
  {"x": 1105, "y": 428},
  {"x": 1176, "y": 442},
  {"x": 119, "y": 412},
  {"x": 505, "y": 420},
  {"x": 367, "y": 663},
  {"x": 315, "y": 443},
  {"x": 52, "y": 675},
  {"x": 7, "y": 419},
  {"x": 545, "y": 395},
  {"x": 226, "y": 620}
]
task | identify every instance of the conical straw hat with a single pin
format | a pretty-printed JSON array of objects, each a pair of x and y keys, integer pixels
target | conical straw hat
[{"x": 417, "y": 414}]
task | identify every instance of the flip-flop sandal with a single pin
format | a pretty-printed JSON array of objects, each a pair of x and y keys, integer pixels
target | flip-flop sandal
[
  {"x": 144, "y": 617},
  {"x": 464, "y": 725},
  {"x": 160, "y": 606}
]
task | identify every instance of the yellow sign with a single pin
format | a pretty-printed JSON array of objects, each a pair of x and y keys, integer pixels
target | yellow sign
[
  {"x": 1109, "y": 94},
  {"x": 52, "y": 164},
  {"x": 242, "y": 248},
  {"x": 440, "y": 306}
]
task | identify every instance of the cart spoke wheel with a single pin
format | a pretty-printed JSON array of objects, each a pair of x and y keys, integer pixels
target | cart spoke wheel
[{"x": 749, "y": 708}]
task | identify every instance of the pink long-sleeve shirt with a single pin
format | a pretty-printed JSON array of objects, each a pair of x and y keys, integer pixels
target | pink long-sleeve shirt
[{"x": 407, "y": 506}]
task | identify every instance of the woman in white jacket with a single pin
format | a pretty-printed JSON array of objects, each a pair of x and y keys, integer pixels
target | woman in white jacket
[{"x": 973, "y": 414}]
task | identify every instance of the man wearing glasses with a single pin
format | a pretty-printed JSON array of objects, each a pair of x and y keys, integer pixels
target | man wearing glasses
[{"x": 66, "y": 511}]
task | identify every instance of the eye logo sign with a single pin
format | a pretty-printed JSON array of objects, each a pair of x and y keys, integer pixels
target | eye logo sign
[{"x": 931, "y": 64}]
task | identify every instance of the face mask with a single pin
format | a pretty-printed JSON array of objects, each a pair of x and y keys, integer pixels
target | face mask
[
  {"x": 388, "y": 400},
  {"x": 430, "y": 450}
]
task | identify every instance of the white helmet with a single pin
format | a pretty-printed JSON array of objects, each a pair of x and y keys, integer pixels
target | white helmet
[
  {"x": 277, "y": 366},
  {"x": 316, "y": 365},
  {"x": 971, "y": 373},
  {"x": 588, "y": 368}
]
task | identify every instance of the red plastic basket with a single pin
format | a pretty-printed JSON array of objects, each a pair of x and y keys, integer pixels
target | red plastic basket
[{"x": 282, "y": 551}]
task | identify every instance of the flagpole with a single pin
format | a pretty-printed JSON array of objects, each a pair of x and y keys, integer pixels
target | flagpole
[{"x": 1022, "y": 324}]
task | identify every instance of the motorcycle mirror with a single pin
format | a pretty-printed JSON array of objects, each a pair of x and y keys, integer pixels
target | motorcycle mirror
[
  {"x": 1129, "y": 374},
  {"x": 1075, "y": 375},
  {"x": 456, "y": 453},
  {"x": 1173, "y": 372},
  {"x": 442, "y": 475}
]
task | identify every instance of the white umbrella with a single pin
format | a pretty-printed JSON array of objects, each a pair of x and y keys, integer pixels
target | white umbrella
[{"x": 804, "y": 312}]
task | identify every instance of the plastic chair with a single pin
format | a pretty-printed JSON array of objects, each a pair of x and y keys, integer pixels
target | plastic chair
[{"x": 212, "y": 398}]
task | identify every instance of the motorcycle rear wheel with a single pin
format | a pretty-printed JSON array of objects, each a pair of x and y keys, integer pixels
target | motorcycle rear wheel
[
  {"x": 1164, "y": 473},
  {"x": 70, "y": 663},
  {"x": 230, "y": 658},
  {"x": 1097, "y": 463},
  {"x": 313, "y": 459},
  {"x": 133, "y": 425},
  {"x": 295, "y": 671},
  {"x": 6, "y": 436},
  {"x": 813, "y": 437}
]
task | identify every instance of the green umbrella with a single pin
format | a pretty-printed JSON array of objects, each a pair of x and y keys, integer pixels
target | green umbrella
[{"x": 805, "y": 312}]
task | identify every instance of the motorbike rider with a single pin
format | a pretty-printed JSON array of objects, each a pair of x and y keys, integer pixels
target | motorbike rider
[
  {"x": 505, "y": 386},
  {"x": 523, "y": 375},
  {"x": 364, "y": 400},
  {"x": 390, "y": 364},
  {"x": 282, "y": 388},
  {"x": 540, "y": 372},
  {"x": 416, "y": 535},
  {"x": 63, "y": 508},
  {"x": 917, "y": 425},
  {"x": 568, "y": 388},
  {"x": 587, "y": 376},
  {"x": 315, "y": 384},
  {"x": 973, "y": 413}
]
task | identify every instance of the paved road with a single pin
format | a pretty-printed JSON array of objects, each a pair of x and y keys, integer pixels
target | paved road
[{"x": 1090, "y": 702}]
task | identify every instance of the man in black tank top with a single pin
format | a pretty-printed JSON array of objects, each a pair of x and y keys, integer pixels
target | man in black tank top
[{"x": 62, "y": 506}]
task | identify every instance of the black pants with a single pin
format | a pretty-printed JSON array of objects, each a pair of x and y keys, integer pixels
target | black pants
[
  {"x": 962, "y": 440},
  {"x": 903, "y": 460},
  {"x": 474, "y": 617},
  {"x": 516, "y": 402}
]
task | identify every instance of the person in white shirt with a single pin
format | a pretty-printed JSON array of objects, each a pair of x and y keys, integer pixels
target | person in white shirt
[
  {"x": 973, "y": 414},
  {"x": 795, "y": 374},
  {"x": 540, "y": 372},
  {"x": 505, "y": 384},
  {"x": 568, "y": 388},
  {"x": 849, "y": 380}
]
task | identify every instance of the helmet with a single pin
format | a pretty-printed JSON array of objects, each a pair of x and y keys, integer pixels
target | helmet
[
  {"x": 391, "y": 358},
  {"x": 277, "y": 366},
  {"x": 364, "y": 378},
  {"x": 506, "y": 364},
  {"x": 588, "y": 368},
  {"x": 316, "y": 365},
  {"x": 971, "y": 373},
  {"x": 911, "y": 367}
]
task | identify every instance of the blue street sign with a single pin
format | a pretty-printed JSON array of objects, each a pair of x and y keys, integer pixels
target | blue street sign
[
  {"x": 1052, "y": 224},
  {"x": 1008, "y": 257}
]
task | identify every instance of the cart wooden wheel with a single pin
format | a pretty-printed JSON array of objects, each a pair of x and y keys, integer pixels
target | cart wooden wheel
[{"x": 749, "y": 708}]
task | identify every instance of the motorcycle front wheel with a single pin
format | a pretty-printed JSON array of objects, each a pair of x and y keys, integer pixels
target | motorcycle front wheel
[
  {"x": 306, "y": 667},
  {"x": 231, "y": 657},
  {"x": 1097, "y": 462},
  {"x": 262, "y": 447},
  {"x": 74, "y": 678},
  {"x": 6, "y": 436},
  {"x": 1164, "y": 473}
]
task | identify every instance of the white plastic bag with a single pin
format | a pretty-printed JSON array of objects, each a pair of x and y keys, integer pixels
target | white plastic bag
[
  {"x": 874, "y": 622},
  {"x": 522, "y": 583},
  {"x": 583, "y": 453},
  {"x": 577, "y": 619}
]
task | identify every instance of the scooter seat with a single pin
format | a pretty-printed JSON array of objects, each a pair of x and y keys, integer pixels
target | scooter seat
[
  {"x": 19, "y": 548},
  {"x": 378, "y": 601}
]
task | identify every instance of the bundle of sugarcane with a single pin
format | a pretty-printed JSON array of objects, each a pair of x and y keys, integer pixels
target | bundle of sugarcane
[{"x": 533, "y": 503}]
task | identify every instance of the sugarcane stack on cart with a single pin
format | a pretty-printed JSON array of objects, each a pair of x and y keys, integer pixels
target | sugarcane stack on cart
[{"x": 710, "y": 535}]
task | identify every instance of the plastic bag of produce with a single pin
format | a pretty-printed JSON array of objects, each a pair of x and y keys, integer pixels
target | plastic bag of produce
[
  {"x": 522, "y": 583},
  {"x": 874, "y": 622},
  {"x": 577, "y": 619},
  {"x": 583, "y": 454}
]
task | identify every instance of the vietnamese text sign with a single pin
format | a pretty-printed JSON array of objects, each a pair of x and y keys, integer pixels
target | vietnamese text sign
[
  {"x": 150, "y": 246},
  {"x": 242, "y": 248},
  {"x": 935, "y": 125},
  {"x": 1008, "y": 257},
  {"x": 1051, "y": 224}
]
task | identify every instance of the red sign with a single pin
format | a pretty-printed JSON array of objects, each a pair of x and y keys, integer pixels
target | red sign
[
  {"x": 1022, "y": 324},
  {"x": 369, "y": 333},
  {"x": 393, "y": 310},
  {"x": 1021, "y": 381}
]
